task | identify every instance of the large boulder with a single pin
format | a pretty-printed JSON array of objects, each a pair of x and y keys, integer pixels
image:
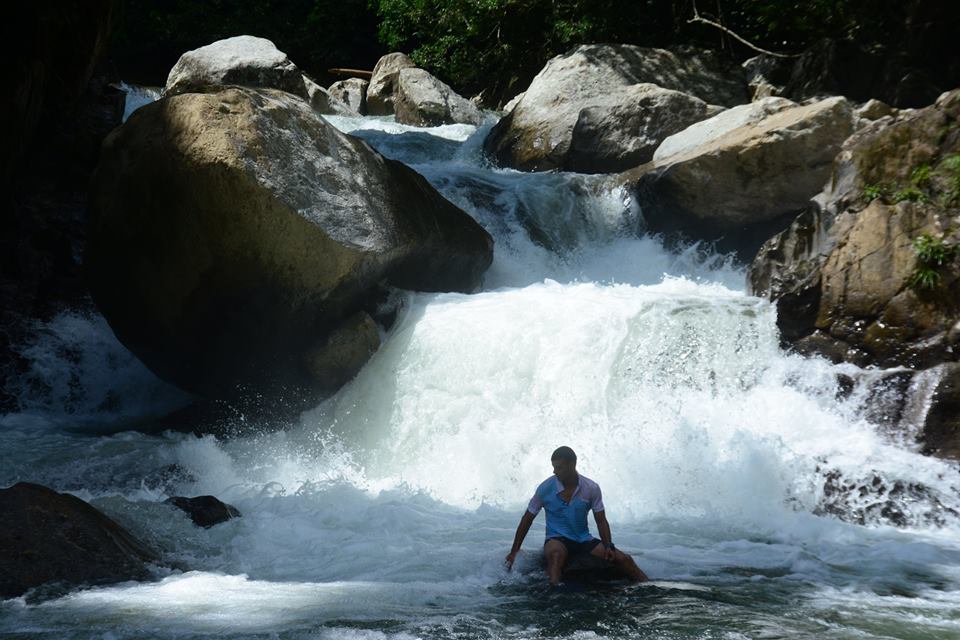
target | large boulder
[
  {"x": 248, "y": 61},
  {"x": 242, "y": 60},
  {"x": 352, "y": 92},
  {"x": 56, "y": 537},
  {"x": 743, "y": 175},
  {"x": 842, "y": 274},
  {"x": 422, "y": 100},
  {"x": 624, "y": 128},
  {"x": 536, "y": 134},
  {"x": 238, "y": 243},
  {"x": 383, "y": 83}
]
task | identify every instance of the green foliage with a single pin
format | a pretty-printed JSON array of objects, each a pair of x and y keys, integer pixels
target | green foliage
[
  {"x": 920, "y": 177},
  {"x": 925, "y": 278},
  {"x": 499, "y": 45},
  {"x": 951, "y": 166},
  {"x": 875, "y": 191},
  {"x": 933, "y": 254},
  {"x": 150, "y": 35},
  {"x": 910, "y": 194}
]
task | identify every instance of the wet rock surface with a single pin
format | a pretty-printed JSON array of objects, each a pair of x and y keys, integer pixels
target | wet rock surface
[
  {"x": 204, "y": 511},
  {"x": 50, "y": 537}
]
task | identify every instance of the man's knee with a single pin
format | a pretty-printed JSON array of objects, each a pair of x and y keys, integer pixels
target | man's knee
[{"x": 555, "y": 552}]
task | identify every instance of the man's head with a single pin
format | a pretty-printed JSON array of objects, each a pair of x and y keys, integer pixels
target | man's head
[{"x": 564, "y": 462}]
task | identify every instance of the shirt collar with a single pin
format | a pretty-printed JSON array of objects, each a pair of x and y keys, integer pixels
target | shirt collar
[{"x": 560, "y": 486}]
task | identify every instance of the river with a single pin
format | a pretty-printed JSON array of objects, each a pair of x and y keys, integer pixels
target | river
[{"x": 758, "y": 497}]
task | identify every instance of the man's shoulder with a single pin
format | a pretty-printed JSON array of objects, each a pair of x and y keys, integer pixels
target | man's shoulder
[
  {"x": 546, "y": 485},
  {"x": 588, "y": 484}
]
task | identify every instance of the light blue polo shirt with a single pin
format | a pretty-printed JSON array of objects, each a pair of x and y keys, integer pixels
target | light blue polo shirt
[{"x": 567, "y": 519}]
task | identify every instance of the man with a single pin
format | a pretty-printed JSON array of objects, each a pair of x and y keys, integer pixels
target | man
[{"x": 567, "y": 496}]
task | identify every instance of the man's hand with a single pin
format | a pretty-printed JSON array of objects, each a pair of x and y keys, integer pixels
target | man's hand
[
  {"x": 510, "y": 558},
  {"x": 609, "y": 554}
]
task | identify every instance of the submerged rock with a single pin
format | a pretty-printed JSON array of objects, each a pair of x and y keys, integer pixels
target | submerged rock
[
  {"x": 50, "y": 537},
  {"x": 380, "y": 91},
  {"x": 236, "y": 235},
  {"x": 932, "y": 412},
  {"x": 743, "y": 175},
  {"x": 536, "y": 135},
  {"x": 205, "y": 511},
  {"x": 424, "y": 101}
]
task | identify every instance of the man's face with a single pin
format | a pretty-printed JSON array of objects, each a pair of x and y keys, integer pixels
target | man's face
[{"x": 564, "y": 469}]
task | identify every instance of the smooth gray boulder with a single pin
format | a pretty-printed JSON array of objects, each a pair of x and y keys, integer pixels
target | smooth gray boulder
[
  {"x": 383, "y": 83},
  {"x": 738, "y": 186},
  {"x": 248, "y": 61},
  {"x": 242, "y": 60},
  {"x": 624, "y": 128},
  {"x": 325, "y": 103},
  {"x": 239, "y": 243},
  {"x": 536, "y": 134},
  {"x": 422, "y": 100},
  {"x": 352, "y": 92}
]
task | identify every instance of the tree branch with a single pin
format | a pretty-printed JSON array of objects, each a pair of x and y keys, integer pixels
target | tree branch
[{"x": 696, "y": 18}]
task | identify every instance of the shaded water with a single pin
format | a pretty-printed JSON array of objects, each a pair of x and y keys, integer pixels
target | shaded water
[{"x": 386, "y": 511}]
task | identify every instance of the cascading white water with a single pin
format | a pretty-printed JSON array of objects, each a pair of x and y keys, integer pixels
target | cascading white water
[{"x": 386, "y": 511}]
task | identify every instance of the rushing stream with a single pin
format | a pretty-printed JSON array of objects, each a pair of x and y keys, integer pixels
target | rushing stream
[{"x": 759, "y": 499}]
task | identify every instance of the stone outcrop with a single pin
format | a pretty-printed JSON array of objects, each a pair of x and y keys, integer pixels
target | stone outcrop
[
  {"x": 242, "y": 60},
  {"x": 536, "y": 134},
  {"x": 743, "y": 175},
  {"x": 383, "y": 83},
  {"x": 50, "y": 537},
  {"x": 204, "y": 511},
  {"x": 248, "y": 61},
  {"x": 624, "y": 128},
  {"x": 422, "y": 100},
  {"x": 352, "y": 92},
  {"x": 844, "y": 274},
  {"x": 239, "y": 243}
]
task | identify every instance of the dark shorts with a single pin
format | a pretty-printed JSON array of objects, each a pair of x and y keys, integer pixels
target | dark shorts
[{"x": 575, "y": 548}]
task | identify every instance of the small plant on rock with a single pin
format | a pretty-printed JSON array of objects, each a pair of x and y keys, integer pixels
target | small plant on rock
[
  {"x": 951, "y": 166},
  {"x": 910, "y": 194},
  {"x": 932, "y": 255}
]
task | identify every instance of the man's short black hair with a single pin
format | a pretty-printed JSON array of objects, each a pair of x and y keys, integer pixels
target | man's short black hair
[{"x": 564, "y": 453}]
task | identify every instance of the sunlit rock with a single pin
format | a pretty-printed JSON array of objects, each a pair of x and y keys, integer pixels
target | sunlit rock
[
  {"x": 233, "y": 234},
  {"x": 352, "y": 92},
  {"x": 421, "y": 99},
  {"x": 537, "y": 133},
  {"x": 380, "y": 92},
  {"x": 744, "y": 177},
  {"x": 249, "y": 62}
]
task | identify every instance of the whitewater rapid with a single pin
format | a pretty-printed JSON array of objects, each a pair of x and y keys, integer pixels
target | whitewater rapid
[{"x": 386, "y": 511}]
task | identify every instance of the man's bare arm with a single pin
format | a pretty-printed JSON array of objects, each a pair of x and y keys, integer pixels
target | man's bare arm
[
  {"x": 603, "y": 528},
  {"x": 522, "y": 530}
]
